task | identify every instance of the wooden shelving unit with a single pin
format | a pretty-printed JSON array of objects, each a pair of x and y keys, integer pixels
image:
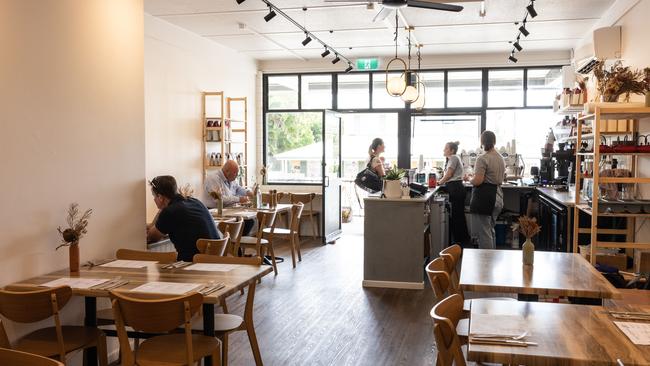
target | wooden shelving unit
[
  {"x": 602, "y": 115},
  {"x": 218, "y": 140}
]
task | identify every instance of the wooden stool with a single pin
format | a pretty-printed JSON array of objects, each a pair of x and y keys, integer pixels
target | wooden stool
[{"x": 307, "y": 198}]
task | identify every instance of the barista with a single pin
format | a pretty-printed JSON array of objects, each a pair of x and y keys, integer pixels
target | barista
[
  {"x": 453, "y": 179},
  {"x": 487, "y": 197}
]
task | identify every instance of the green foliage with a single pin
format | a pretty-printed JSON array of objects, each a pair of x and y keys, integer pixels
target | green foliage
[
  {"x": 394, "y": 174},
  {"x": 288, "y": 131}
]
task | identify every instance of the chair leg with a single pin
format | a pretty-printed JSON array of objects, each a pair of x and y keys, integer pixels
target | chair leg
[
  {"x": 216, "y": 357},
  {"x": 272, "y": 253},
  {"x": 224, "y": 348},
  {"x": 252, "y": 338},
  {"x": 292, "y": 243},
  {"x": 313, "y": 226},
  {"x": 297, "y": 239},
  {"x": 224, "y": 306},
  {"x": 102, "y": 352}
]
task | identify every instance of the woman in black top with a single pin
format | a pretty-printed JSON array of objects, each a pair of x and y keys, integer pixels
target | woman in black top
[{"x": 453, "y": 179}]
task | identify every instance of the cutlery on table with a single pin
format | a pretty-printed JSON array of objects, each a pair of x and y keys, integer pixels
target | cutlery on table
[
  {"x": 210, "y": 288},
  {"x": 495, "y": 336},
  {"x": 501, "y": 342}
]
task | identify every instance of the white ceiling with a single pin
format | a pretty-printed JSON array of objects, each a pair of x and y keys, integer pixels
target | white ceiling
[{"x": 560, "y": 24}]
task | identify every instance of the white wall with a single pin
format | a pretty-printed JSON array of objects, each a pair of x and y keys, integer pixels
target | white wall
[
  {"x": 179, "y": 65},
  {"x": 72, "y": 122}
]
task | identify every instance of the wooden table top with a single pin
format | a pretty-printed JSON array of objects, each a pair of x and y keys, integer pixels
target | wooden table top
[
  {"x": 566, "y": 335},
  {"x": 247, "y": 212},
  {"x": 554, "y": 273},
  {"x": 234, "y": 280}
]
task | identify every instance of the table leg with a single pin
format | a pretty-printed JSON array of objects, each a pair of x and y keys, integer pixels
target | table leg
[
  {"x": 585, "y": 301},
  {"x": 90, "y": 320},
  {"x": 528, "y": 297},
  {"x": 208, "y": 326}
]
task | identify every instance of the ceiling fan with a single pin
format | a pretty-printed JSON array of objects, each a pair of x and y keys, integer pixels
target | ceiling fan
[{"x": 398, "y": 4}]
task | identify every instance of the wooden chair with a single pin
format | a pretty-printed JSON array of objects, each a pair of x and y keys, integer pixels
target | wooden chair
[
  {"x": 224, "y": 324},
  {"x": 307, "y": 198},
  {"x": 57, "y": 341},
  {"x": 266, "y": 197},
  {"x": 262, "y": 243},
  {"x": 213, "y": 246},
  {"x": 292, "y": 233},
  {"x": 163, "y": 315},
  {"x": 446, "y": 315},
  {"x": 145, "y": 255},
  {"x": 235, "y": 229},
  {"x": 11, "y": 357},
  {"x": 441, "y": 284}
]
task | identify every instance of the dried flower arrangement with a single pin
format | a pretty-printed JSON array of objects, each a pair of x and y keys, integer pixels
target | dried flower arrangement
[
  {"x": 187, "y": 191},
  {"x": 619, "y": 80},
  {"x": 216, "y": 194},
  {"x": 528, "y": 226},
  {"x": 76, "y": 226},
  {"x": 263, "y": 174}
]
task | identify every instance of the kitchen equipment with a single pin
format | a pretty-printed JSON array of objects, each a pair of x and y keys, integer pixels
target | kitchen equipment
[
  {"x": 625, "y": 145},
  {"x": 645, "y": 147}
]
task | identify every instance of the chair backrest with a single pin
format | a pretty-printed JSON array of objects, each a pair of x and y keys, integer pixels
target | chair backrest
[
  {"x": 11, "y": 357},
  {"x": 451, "y": 256},
  {"x": 236, "y": 230},
  {"x": 296, "y": 213},
  {"x": 439, "y": 278},
  {"x": 266, "y": 197},
  {"x": 446, "y": 315},
  {"x": 213, "y": 246},
  {"x": 145, "y": 255},
  {"x": 154, "y": 316},
  {"x": 206, "y": 258},
  {"x": 305, "y": 198},
  {"x": 35, "y": 305}
]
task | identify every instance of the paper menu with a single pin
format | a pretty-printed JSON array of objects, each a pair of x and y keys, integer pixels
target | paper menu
[
  {"x": 80, "y": 283},
  {"x": 211, "y": 267},
  {"x": 497, "y": 325},
  {"x": 638, "y": 333},
  {"x": 122, "y": 263},
  {"x": 173, "y": 288}
]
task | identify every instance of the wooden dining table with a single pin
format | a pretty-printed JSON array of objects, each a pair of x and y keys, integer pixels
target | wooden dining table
[
  {"x": 565, "y": 334},
  {"x": 234, "y": 280},
  {"x": 246, "y": 212},
  {"x": 553, "y": 273}
]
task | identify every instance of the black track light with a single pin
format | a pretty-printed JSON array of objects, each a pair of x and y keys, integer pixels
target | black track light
[
  {"x": 325, "y": 53},
  {"x": 306, "y": 40},
  {"x": 336, "y": 59},
  {"x": 523, "y": 30},
  {"x": 240, "y": 1},
  {"x": 512, "y": 58},
  {"x": 531, "y": 9},
  {"x": 349, "y": 68},
  {"x": 270, "y": 15},
  {"x": 517, "y": 46}
]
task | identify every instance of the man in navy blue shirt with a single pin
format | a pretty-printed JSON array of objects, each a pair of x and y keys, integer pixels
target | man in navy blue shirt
[{"x": 184, "y": 219}]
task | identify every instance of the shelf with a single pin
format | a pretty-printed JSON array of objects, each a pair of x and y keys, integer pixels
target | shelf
[
  {"x": 571, "y": 109},
  {"x": 235, "y": 142},
  {"x": 623, "y": 180},
  {"x": 614, "y": 153},
  {"x": 586, "y": 209},
  {"x": 238, "y": 130},
  {"x": 213, "y": 166},
  {"x": 616, "y": 113},
  {"x": 217, "y": 118},
  {"x": 214, "y": 128},
  {"x": 234, "y": 120},
  {"x": 614, "y": 244}
]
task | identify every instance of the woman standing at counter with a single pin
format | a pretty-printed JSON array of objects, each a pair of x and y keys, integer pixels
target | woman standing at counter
[
  {"x": 377, "y": 162},
  {"x": 453, "y": 178},
  {"x": 487, "y": 198}
]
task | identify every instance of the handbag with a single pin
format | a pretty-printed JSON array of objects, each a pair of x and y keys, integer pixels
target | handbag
[{"x": 368, "y": 180}]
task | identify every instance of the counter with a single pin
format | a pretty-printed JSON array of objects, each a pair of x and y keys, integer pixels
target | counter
[
  {"x": 564, "y": 198},
  {"x": 396, "y": 232}
]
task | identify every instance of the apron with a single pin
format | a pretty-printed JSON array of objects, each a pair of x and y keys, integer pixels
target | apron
[{"x": 483, "y": 199}]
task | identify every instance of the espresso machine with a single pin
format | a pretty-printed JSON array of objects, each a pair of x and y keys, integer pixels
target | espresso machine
[{"x": 564, "y": 161}]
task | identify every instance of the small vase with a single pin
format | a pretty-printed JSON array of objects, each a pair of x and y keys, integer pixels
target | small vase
[
  {"x": 220, "y": 207},
  {"x": 647, "y": 99},
  {"x": 528, "y": 252},
  {"x": 73, "y": 254}
]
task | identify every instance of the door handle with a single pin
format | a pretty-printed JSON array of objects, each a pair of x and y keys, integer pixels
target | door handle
[{"x": 327, "y": 181}]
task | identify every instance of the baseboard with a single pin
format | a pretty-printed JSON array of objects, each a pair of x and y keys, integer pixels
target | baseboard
[{"x": 393, "y": 284}]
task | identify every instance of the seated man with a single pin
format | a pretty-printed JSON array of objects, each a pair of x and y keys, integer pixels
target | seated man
[
  {"x": 184, "y": 219},
  {"x": 232, "y": 193}
]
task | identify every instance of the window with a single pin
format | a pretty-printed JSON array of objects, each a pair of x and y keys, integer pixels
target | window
[
  {"x": 354, "y": 91},
  {"x": 464, "y": 89},
  {"x": 380, "y": 97},
  {"x": 434, "y": 82},
  {"x": 506, "y": 88},
  {"x": 543, "y": 85},
  {"x": 294, "y": 147},
  {"x": 283, "y": 92},
  {"x": 528, "y": 127},
  {"x": 316, "y": 91},
  {"x": 431, "y": 133}
]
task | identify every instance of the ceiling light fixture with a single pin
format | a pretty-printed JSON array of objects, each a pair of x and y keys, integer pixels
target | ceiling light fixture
[
  {"x": 531, "y": 9},
  {"x": 523, "y": 29},
  {"x": 411, "y": 94},
  {"x": 325, "y": 53},
  {"x": 512, "y": 57},
  {"x": 240, "y": 1},
  {"x": 306, "y": 40},
  {"x": 482, "y": 10},
  {"x": 349, "y": 68},
  {"x": 419, "y": 103},
  {"x": 517, "y": 45},
  {"x": 336, "y": 59},
  {"x": 396, "y": 85},
  {"x": 270, "y": 15}
]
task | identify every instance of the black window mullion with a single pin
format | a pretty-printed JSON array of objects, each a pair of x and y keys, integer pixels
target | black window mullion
[
  {"x": 371, "y": 79},
  {"x": 446, "y": 87},
  {"x": 525, "y": 87},
  {"x": 299, "y": 91}
]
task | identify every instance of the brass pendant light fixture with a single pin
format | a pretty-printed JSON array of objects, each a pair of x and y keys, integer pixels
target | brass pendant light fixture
[
  {"x": 396, "y": 86},
  {"x": 411, "y": 93},
  {"x": 418, "y": 104}
]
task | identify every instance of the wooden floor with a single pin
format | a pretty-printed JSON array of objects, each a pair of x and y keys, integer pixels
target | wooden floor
[{"x": 318, "y": 313}]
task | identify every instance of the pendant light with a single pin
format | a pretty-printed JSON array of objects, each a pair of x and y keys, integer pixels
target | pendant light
[
  {"x": 411, "y": 94},
  {"x": 418, "y": 104},
  {"x": 395, "y": 86}
]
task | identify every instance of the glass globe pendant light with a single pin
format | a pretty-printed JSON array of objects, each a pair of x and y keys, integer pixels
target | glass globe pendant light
[
  {"x": 419, "y": 103},
  {"x": 396, "y": 85},
  {"x": 411, "y": 94}
]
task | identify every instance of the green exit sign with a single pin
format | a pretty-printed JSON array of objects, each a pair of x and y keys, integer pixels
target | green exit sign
[{"x": 367, "y": 64}]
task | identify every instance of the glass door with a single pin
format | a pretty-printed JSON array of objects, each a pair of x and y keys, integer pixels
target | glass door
[{"x": 331, "y": 217}]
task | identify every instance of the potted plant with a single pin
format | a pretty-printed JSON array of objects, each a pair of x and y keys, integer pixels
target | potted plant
[
  {"x": 71, "y": 235},
  {"x": 392, "y": 183}
]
